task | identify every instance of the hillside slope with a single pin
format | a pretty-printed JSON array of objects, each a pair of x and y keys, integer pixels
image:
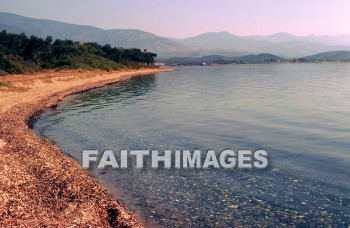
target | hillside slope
[
  {"x": 330, "y": 56},
  {"x": 126, "y": 38}
]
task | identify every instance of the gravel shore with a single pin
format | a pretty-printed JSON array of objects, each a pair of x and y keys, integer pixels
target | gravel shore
[{"x": 39, "y": 185}]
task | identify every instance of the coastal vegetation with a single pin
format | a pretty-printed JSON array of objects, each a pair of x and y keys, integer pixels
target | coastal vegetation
[{"x": 22, "y": 54}]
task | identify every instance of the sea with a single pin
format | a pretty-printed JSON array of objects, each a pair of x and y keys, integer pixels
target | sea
[{"x": 298, "y": 113}]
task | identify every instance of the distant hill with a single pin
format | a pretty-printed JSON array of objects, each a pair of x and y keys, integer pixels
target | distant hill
[
  {"x": 261, "y": 58},
  {"x": 285, "y": 37},
  {"x": 285, "y": 45},
  {"x": 217, "y": 59},
  {"x": 222, "y": 41},
  {"x": 330, "y": 56},
  {"x": 127, "y": 38},
  {"x": 214, "y": 40}
]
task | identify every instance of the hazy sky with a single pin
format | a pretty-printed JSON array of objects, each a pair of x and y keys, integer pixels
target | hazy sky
[{"x": 183, "y": 18}]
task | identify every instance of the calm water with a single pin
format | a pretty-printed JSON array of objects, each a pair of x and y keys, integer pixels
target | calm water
[{"x": 300, "y": 114}]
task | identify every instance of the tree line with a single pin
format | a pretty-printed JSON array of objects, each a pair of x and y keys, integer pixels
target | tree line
[{"x": 48, "y": 53}]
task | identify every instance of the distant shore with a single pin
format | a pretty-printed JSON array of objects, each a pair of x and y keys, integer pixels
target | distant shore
[{"x": 39, "y": 185}]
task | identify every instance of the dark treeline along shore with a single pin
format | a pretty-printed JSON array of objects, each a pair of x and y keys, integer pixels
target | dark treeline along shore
[{"x": 22, "y": 54}]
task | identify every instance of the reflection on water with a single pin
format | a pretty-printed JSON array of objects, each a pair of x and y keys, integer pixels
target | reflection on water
[
  {"x": 298, "y": 113},
  {"x": 125, "y": 93}
]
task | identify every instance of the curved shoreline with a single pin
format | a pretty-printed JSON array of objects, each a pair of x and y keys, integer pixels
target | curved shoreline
[{"x": 39, "y": 184}]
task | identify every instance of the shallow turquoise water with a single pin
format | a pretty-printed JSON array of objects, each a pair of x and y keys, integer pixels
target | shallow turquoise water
[{"x": 298, "y": 113}]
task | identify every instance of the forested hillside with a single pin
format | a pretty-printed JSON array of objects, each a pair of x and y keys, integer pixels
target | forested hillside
[
  {"x": 127, "y": 38},
  {"x": 22, "y": 54}
]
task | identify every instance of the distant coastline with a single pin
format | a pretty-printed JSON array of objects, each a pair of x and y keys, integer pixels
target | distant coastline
[{"x": 264, "y": 58}]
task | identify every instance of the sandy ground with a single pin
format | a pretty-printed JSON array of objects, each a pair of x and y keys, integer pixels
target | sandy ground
[{"x": 39, "y": 185}]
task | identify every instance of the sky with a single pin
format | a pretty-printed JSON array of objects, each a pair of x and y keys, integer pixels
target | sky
[{"x": 185, "y": 18}]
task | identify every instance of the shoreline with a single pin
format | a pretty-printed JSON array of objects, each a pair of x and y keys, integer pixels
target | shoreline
[{"x": 39, "y": 184}]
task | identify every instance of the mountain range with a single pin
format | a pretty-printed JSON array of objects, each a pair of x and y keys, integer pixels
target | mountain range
[
  {"x": 213, "y": 43},
  {"x": 281, "y": 44}
]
